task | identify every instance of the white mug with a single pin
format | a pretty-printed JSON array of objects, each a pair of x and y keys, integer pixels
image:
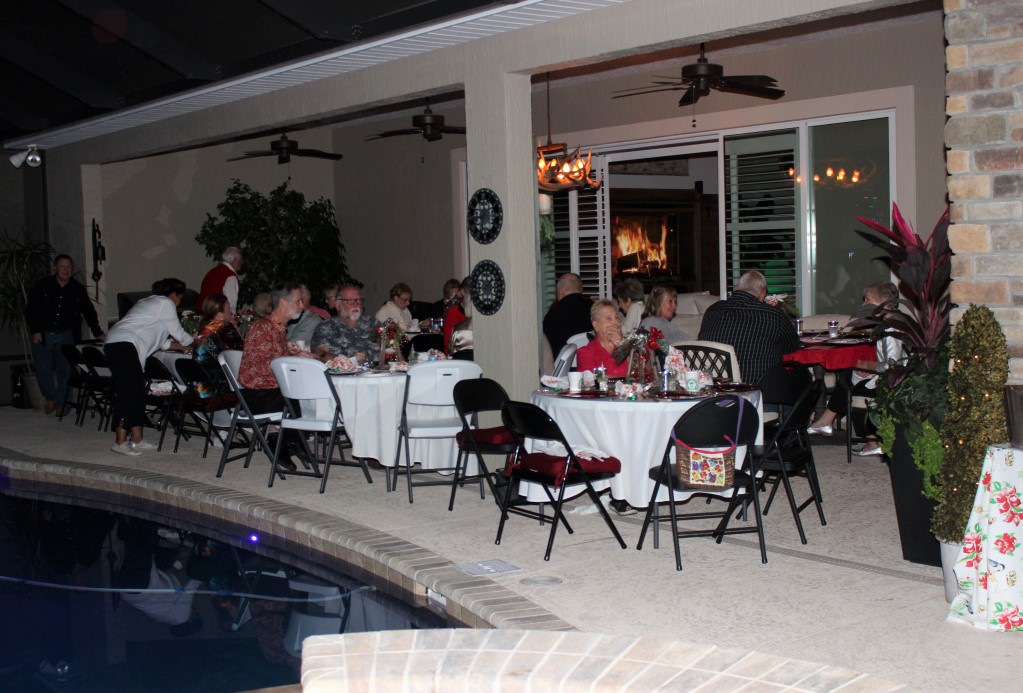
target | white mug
[
  {"x": 300, "y": 344},
  {"x": 575, "y": 381},
  {"x": 691, "y": 380}
]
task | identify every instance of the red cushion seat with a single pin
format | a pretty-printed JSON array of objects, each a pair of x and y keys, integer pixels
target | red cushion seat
[
  {"x": 497, "y": 435},
  {"x": 554, "y": 465}
]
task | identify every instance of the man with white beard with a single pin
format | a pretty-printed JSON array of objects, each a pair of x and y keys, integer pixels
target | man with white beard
[{"x": 351, "y": 333}]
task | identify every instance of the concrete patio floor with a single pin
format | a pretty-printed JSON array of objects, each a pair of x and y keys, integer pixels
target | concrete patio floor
[{"x": 846, "y": 598}]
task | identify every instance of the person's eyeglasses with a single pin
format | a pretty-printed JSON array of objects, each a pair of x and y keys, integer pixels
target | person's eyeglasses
[{"x": 350, "y": 300}]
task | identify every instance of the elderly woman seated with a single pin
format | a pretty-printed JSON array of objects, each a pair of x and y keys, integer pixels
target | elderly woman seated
[
  {"x": 658, "y": 312},
  {"x": 599, "y": 352}
]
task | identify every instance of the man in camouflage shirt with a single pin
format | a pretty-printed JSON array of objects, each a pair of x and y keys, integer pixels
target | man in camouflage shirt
[{"x": 350, "y": 333}]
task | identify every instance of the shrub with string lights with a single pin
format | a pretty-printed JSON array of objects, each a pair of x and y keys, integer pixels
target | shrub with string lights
[{"x": 975, "y": 418}]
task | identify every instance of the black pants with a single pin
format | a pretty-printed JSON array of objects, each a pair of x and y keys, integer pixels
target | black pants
[
  {"x": 129, "y": 385},
  {"x": 838, "y": 404}
]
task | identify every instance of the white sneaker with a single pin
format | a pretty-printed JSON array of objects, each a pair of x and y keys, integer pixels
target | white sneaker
[
  {"x": 125, "y": 449},
  {"x": 143, "y": 446}
]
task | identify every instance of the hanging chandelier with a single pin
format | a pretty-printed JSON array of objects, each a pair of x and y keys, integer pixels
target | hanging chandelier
[{"x": 556, "y": 168}]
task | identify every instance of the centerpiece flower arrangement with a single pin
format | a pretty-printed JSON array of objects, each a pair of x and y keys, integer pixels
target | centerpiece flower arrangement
[
  {"x": 190, "y": 321},
  {"x": 641, "y": 347},
  {"x": 782, "y": 303},
  {"x": 392, "y": 336},
  {"x": 244, "y": 320}
]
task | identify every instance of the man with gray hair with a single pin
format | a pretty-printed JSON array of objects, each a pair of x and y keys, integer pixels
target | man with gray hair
[
  {"x": 223, "y": 279},
  {"x": 569, "y": 314},
  {"x": 760, "y": 334}
]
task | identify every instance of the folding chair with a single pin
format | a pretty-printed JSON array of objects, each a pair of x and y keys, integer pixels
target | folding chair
[
  {"x": 78, "y": 381},
  {"x": 563, "y": 363},
  {"x": 204, "y": 403},
  {"x": 715, "y": 358},
  {"x": 718, "y": 422},
  {"x": 429, "y": 387},
  {"x": 160, "y": 398},
  {"x": 472, "y": 398},
  {"x": 788, "y": 452},
  {"x": 101, "y": 385},
  {"x": 241, "y": 415},
  {"x": 580, "y": 339},
  {"x": 308, "y": 379},
  {"x": 552, "y": 470},
  {"x": 856, "y": 412}
]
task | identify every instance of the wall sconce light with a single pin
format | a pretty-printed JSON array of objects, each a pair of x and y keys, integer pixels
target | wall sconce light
[{"x": 30, "y": 156}]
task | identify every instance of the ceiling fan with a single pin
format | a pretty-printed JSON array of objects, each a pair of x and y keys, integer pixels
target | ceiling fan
[
  {"x": 284, "y": 149},
  {"x": 430, "y": 126},
  {"x": 700, "y": 77}
]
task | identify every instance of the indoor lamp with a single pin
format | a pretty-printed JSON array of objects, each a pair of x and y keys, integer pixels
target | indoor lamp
[{"x": 556, "y": 169}]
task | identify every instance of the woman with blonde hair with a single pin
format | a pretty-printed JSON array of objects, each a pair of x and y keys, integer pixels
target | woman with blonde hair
[{"x": 658, "y": 312}]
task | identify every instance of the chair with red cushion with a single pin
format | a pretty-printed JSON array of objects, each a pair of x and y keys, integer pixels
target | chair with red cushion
[
  {"x": 473, "y": 397},
  {"x": 554, "y": 471}
]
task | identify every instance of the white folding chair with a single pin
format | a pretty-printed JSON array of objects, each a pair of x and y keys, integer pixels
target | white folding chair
[
  {"x": 563, "y": 364},
  {"x": 579, "y": 340},
  {"x": 429, "y": 387},
  {"x": 241, "y": 415},
  {"x": 307, "y": 379}
]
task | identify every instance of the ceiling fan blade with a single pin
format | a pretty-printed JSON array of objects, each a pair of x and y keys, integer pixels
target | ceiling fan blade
[
  {"x": 691, "y": 96},
  {"x": 452, "y": 129},
  {"x": 754, "y": 79},
  {"x": 395, "y": 133},
  {"x": 250, "y": 155},
  {"x": 727, "y": 85},
  {"x": 646, "y": 90},
  {"x": 316, "y": 153}
]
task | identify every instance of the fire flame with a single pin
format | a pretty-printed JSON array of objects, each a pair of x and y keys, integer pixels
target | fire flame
[{"x": 631, "y": 239}]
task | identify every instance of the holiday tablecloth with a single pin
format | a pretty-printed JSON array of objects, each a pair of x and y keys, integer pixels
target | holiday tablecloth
[{"x": 989, "y": 569}]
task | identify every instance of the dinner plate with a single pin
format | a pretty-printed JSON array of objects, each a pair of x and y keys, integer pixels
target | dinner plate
[
  {"x": 586, "y": 394},
  {"x": 679, "y": 395},
  {"x": 735, "y": 387}
]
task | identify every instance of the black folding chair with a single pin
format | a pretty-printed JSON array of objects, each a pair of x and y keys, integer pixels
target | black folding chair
[
  {"x": 472, "y": 398},
  {"x": 78, "y": 382},
  {"x": 528, "y": 422},
  {"x": 718, "y": 422},
  {"x": 205, "y": 407},
  {"x": 162, "y": 397},
  {"x": 101, "y": 385}
]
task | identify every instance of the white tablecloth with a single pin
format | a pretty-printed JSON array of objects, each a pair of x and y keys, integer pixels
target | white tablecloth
[
  {"x": 371, "y": 408},
  {"x": 636, "y": 432}
]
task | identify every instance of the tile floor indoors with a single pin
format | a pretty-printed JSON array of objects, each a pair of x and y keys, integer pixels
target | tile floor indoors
[{"x": 846, "y": 599}]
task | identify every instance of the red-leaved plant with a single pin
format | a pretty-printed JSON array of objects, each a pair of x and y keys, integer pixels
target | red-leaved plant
[{"x": 924, "y": 270}]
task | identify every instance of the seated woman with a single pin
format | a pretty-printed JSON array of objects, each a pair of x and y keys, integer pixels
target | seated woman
[
  {"x": 454, "y": 313},
  {"x": 629, "y": 293},
  {"x": 217, "y": 333},
  {"x": 864, "y": 377},
  {"x": 396, "y": 309},
  {"x": 599, "y": 352},
  {"x": 659, "y": 310}
]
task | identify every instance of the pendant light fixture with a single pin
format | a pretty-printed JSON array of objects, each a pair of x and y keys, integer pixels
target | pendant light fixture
[{"x": 556, "y": 168}]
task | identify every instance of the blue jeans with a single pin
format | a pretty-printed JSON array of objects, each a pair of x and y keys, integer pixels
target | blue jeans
[{"x": 52, "y": 369}]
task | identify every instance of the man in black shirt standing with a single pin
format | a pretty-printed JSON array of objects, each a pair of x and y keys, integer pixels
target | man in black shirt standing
[
  {"x": 56, "y": 306},
  {"x": 569, "y": 314},
  {"x": 760, "y": 334}
]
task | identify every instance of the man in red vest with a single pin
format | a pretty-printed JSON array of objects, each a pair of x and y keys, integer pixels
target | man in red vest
[{"x": 223, "y": 279}]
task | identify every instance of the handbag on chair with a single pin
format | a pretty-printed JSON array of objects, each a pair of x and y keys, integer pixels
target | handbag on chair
[{"x": 712, "y": 470}]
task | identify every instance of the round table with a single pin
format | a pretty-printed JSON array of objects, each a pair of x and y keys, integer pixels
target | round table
[
  {"x": 634, "y": 431},
  {"x": 371, "y": 409}
]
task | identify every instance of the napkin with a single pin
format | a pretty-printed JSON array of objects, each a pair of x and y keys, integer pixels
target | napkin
[{"x": 553, "y": 383}]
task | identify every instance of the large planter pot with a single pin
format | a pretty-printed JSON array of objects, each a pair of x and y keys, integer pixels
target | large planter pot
[
  {"x": 32, "y": 391},
  {"x": 912, "y": 510},
  {"x": 949, "y": 556}
]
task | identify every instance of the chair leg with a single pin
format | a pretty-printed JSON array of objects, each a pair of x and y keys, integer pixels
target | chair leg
[
  {"x": 455, "y": 477},
  {"x": 651, "y": 515},
  {"x": 554, "y": 524},
  {"x": 408, "y": 469},
  {"x": 603, "y": 512},
  {"x": 504, "y": 508},
  {"x": 225, "y": 453},
  {"x": 277, "y": 454},
  {"x": 792, "y": 503}
]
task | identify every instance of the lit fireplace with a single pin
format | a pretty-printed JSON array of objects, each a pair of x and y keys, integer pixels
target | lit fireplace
[{"x": 640, "y": 243}]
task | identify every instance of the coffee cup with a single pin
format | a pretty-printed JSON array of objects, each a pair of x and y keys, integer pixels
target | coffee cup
[
  {"x": 691, "y": 380},
  {"x": 575, "y": 381},
  {"x": 300, "y": 345}
]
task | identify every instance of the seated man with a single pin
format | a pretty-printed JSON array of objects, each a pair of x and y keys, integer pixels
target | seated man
[
  {"x": 760, "y": 334},
  {"x": 301, "y": 330},
  {"x": 266, "y": 340},
  {"x": 350, "y": 333},
  {"x": 569, "y": 314}
]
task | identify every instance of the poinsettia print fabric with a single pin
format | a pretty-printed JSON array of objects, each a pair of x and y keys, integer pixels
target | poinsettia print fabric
[{"x": 989, "y": 569}]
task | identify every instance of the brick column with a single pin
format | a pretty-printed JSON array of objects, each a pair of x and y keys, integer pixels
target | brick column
[{"x": 984, "y": 137}]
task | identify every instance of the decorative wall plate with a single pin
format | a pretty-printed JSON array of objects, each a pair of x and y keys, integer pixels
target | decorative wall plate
[
  {"x": 485, "y": 215},
  {"x": 486, "y": 286}
]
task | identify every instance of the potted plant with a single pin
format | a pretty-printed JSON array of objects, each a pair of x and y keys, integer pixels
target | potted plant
[
  {"x": 284, "y": 238},
  {"x": 911, "y": 398},
  {"x": 22, "y": 264},
  {"x": 974, "y": 420}
]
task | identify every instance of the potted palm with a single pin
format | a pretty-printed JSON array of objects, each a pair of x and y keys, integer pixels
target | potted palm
[
  {"x": 911, "y": 399},
  {"x": 22, "y": 264}
]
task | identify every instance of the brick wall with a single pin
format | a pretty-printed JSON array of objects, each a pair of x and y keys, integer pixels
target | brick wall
[{"x": 984, "y": 137}]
